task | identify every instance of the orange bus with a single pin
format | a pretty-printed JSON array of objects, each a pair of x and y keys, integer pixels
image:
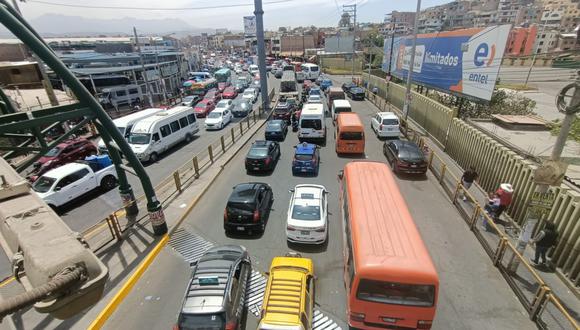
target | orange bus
[
  {"x": 350, "y": 134},
  {"x": 390, "y": 279}
]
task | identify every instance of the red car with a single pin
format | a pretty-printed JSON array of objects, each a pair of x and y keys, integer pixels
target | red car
[
  {"x": 204, "y": 107},
  {"x": 222, "y": 86},
  {"x": 214, "y": 95},
  {"x": 64, "y": 153},
  {"x": 230, "y": 93}
]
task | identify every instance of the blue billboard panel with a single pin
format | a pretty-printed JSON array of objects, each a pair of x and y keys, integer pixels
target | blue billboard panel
[{"x": 462, "y": 61}]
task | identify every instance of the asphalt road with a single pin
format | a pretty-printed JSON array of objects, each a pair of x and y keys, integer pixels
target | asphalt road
[
  {"x": 86, "y": 211},
  {"x": 473, "y": 294}
]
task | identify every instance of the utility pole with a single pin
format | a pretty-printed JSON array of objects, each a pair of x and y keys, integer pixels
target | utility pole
[
  {"x": 45, "y": 81},
  {"x": 147, "y": 88},
  {"x": 160, "y": 74},
  {"x": 535, "y": 53},
  {"x": 407, "y": 104},
  {"x": 570, "y": 109},
  {"x": 259, "y": 13},
  {"x": 351, "y": 10}
]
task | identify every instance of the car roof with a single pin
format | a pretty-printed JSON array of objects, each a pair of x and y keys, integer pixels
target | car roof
[
  {"x": 341, "y": 103},
  {"x": 403, "y": 144},
  {"x": 306, "y": 148},
  {"x": 387, "y": 115},
  {"x": 244, "y": 192},
  {"x": 64, "y": 170},
  {"x": 203, "y": 294}
]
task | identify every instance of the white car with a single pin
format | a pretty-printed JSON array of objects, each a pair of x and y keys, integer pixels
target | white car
[
  {"x": 386, "y": 124},
  {"x": 226, "y": 104},
  {"x": 307, "y": 214},
  {"x": 218, "y": 118},
  {"x": 314, "y": 99},
  {"x": 238, "y": 70},
  {"x": 250, "y": 94}
]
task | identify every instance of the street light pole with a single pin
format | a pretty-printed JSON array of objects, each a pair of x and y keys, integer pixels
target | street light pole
[
  {"x": 407, "y": 105},
  {"x": 535, "y": 54},
  {"x": 259, "y": 13}
]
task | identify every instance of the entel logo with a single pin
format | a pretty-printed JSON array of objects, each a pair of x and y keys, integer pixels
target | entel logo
[{"x": 482, "y": 53}]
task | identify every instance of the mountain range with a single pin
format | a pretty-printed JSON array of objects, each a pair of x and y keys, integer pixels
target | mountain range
[{"x": 55, "y": 25}]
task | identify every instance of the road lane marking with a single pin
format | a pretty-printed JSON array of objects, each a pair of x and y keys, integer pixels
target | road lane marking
[{"x": 191, "y": 247}]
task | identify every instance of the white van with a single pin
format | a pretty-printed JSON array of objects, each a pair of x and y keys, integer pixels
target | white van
[
  {"x": 312, "y": 124},
  {"x": 125, "y": 123},
  {"x": 339, "y": 106},
  {"x": 310, "y": 71},
  {"x": 253, "y": 69},
  {"x": 117, "y": 96},
  {"x": 154, "y": 135},
  {"x": 386, "y": 124}
]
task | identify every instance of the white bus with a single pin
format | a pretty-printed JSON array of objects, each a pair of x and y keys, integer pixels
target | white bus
[
  {"x": 156, "y": 134},
  {"x": 125, "y": 123},
  {"x": 311, "y": 71}
]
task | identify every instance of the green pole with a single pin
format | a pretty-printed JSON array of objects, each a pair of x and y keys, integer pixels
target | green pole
[{"x": 15, "y": 23}]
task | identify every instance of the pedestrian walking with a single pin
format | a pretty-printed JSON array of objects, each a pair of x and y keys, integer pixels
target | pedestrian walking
[
  {"x": 505, "y": 193},
  {"x": 468, "y": 178},
  {"x": 544, "y": 240}
]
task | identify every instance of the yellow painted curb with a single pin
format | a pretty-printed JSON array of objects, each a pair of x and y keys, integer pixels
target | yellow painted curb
[{"x": 126, "y": 288}]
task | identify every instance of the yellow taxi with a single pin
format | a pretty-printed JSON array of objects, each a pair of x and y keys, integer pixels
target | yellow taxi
[{"x": 289, "y": 297}]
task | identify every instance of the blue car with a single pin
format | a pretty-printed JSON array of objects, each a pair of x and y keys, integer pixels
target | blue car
[
  {"x": 325, "y": 84},
  {"x": 306, "y": 159}
]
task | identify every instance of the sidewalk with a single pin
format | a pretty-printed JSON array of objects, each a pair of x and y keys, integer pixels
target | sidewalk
[{"x": 523, "y": 280}]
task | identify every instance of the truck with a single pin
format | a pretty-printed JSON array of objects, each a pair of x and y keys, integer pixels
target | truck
[
  {"x": 288, "y": 85},
  {"x": 69, "y": 182}
]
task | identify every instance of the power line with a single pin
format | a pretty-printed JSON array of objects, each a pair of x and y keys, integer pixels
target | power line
[{"x": 59, "y": 4}]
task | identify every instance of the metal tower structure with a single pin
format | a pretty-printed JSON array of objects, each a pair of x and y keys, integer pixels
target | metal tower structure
[{"x": 30, "y": 128}]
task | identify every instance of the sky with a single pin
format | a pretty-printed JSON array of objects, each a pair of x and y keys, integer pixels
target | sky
[{"x": 281, "y": 13}]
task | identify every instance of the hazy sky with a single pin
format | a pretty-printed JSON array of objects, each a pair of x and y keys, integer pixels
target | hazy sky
[{"x": 287, "y": 13}]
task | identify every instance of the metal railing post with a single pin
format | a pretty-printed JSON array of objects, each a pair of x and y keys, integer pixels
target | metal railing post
[
  {"x": 499, "y": 252},
  {"x": 177, "y": 181},
  {"x": 474, "y": 217},
  {"x": 210, "y": 152},
  {"x": 248, "y": 122},
  {"x": 233, "y": 135},
  {"x": 241, "y": 128},
  {"x": 539, "y": 301},
  {"x": 443, "y": 170},
  {"x": 456, "y": 193},
  {"x": 223, "y": 143},
  {"x": 431, "y": 154},
  {"x": 254, "y": 115},
  {"x": 195, "y": 166}
]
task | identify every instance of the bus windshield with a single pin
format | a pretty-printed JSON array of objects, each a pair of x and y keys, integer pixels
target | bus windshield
[{"x": 139, "y": 138}]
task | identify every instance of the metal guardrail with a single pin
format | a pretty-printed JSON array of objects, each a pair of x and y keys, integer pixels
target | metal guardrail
[
  {"x": 542, "y": 304},
  {"x": 117, "y": 223}
]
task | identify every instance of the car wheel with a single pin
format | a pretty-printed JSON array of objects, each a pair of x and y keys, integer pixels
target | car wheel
[
  {"x": 109, "y": 182},
  {"x": 188, "y": 138},
  {"x": 154, "y": 157}
]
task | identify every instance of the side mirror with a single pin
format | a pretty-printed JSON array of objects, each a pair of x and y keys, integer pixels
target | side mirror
[
  {"x": 267, "y": 273},
  {"x": 57, "y": 188},
  {"x": 340, "y": 174},
  {"x": 291, "y": 190}
]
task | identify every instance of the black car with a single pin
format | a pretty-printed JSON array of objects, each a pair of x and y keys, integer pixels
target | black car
[
  {"x": 276, "y": 130},
  {"x": 219, "y": 279},
  {"x": 347, "y": 86},
  {"x": 356, "y": 93},
  {"x": 405, "y": 157},
  {"x": 239, "y": 87},
  {"x": 241, "y": 108},
  {"x": 263, "y": 156},
  {"x": 248, "y": 208}
]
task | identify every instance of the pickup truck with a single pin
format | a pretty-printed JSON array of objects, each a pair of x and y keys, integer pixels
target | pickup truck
[{"x": 66, "y": 183}]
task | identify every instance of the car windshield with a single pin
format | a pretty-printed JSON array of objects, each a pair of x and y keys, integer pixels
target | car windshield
[
  {"x": 258, "y": 152},
  {"x": 241, "y": 206},
  {"x": 43, "y": 184},
  {"x": 411, "y": 153},
  {"x": 53, "y": 152},
  {"x": 396, "y": 293},
  {"x": 390, "y": 122},
  {"x": 315, "y": 92},
  {"x": 139, "y": 138},
  {"x": 306, "y": 212},
  {"x": 188, "y": 99},
  {"x": 311, "y": 123},
  {"x": 202, "y": 321},
  {"x": 303, "y": 157},
  {"x": 273, "y": 126},
  {"x": 201, "y": 105}
]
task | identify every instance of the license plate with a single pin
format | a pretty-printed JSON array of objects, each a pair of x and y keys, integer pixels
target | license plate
[
  {"x": 303, "y": 170},
  {"x": 304, "y": 232},
  {"x": 256, "y": 168},
  {"x": 413, "y": 165},
  {"x": 240, "y": 228}
]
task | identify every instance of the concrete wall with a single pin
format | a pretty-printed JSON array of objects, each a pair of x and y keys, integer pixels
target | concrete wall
[
  {"x": 496, "y": 164},
  {"x": 23, "y": 76},
  {"x": 12, "y": 52}
]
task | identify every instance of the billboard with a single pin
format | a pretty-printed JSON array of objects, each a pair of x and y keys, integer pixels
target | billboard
[
  {"x": 250, "y": 26},
  {"x": 464, "y": 62},
  {"x": 338, "y": 44}
]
